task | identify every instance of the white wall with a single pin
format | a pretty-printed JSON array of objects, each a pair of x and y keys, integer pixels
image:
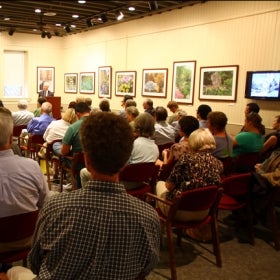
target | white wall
[{"x": 216, "y": 33}]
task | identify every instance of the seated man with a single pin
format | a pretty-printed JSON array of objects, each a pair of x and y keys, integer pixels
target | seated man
[
  {"x": 22, "y": 116},
  {"x": 38, "y": 125},
  {"x": 22, "y": 184},
  {"x": 98, "y": 232}
]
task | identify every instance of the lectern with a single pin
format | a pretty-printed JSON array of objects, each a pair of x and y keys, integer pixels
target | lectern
[{"x": 56, "y": 104}]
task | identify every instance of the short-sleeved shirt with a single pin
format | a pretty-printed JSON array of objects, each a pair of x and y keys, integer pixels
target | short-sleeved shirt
[
  {"x": 223, "y": 147},
  {"x": 72, "y": 138},
  {"x": 247, "y": 142},
  {"x": 98, "y": 232}
]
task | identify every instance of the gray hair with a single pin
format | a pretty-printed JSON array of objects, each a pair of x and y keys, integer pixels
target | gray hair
[
  {"x": 144, "y": 125},
  {"x": 22, "y": 104},
  {"x": 202, "y": 140},
  {"x": 47, "y": 107},
  {"x": 6, "y": 126},
  {"x": 132, "y": 110}
]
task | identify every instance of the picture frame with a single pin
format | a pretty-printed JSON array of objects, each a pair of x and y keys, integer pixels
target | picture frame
[
  {"x": 70, "y": 82},
  {"x": 104, "y": 81},
  {"x": 154, "y": 82},
  {"x": 45, "y": 74},
  {"x": 125, "y": 83},
  {"x": 218, "y": 83},
  {"x": 183, "y": 81},
  {"x": 87, "y": 82}
]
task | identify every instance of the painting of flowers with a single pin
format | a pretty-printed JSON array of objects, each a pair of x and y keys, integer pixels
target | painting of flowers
[
  {"x": 183, "y": 81},
  {"x": 104, "y": 81},
  {"x": 154, "y": 82},
  {"x": 125, "y": 83},
  {"x": 87, "y": 82}
]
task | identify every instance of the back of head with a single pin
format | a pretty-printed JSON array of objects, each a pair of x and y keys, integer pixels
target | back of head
[
  {"x": 133, "y": 111},
  {"x": 202, "y": 140},
  {"x": 188, "y": 124},
  {"x": 41, "y": 100},
  {"x": 203, "y": 111},
  {"x": 72, "y": 104},
  {"x": 126, "y": 97},
  {"x": 46, "y": 107},
  {"x": 130, "y": 102},
  {"x": 104, "y": 105},
  {"x": 108, "y": 140},
  {"x": 144, "y": 125},
  {"x": 6, "y": 126},
  {"x": 217, "y": 120},
  {"x": 80, "y": 99},
  {"x": 161, "y": 113},
  {"x": 256, "y": 120},
  {"x": 253, "y": 107},
  {"x": 69, "y": 116},
  {"x": 22, "y": 104},
  {"x": 88, "y": 100},
  {"x": 82, "y": 107},
  {"x": 172, "y": 104},
  {"x": 149, "y": 102}
]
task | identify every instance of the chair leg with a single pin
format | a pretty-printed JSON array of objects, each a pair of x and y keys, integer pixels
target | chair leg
[
  {"x": 216, "y": 241},
  {"x": 250, "y": 225},
  {"x": 274, "y": 227},
  {"x": 172, "y": 261}
]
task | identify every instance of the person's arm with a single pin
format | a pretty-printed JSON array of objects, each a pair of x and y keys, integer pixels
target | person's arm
[
  {"x": 269, "y": 143},
  {"x": 234, "y": 142},
  {"x": 65, "y": 149}
]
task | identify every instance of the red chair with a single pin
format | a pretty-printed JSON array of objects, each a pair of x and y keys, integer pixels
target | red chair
[
  {"x": 192, "y": 200},
  {"x": 162, "y": 147},
  {"x": 143, "y": 173},
  {"x": 31, "y": 145},
  {"x": 15, "y": 228},
  {"x": 245, "y": 162},
  {"x": 237, "y": 195},
  {"x": 17, "y": 130}
]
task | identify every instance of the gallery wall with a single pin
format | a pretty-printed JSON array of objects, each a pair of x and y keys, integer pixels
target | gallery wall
[{"x": 215, "y": 33}]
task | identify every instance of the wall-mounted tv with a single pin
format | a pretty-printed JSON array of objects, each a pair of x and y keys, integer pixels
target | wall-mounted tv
[{"x": 263, "y": 85}]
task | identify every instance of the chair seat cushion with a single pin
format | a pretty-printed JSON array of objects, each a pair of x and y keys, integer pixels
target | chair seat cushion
[{"x": 229, "y": 203}]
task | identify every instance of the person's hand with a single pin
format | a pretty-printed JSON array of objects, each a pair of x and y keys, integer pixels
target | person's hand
[{"x": 258, "y": 166}]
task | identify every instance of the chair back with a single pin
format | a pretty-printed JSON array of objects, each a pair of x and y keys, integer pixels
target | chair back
[
  {"x": 15, "y": 228},
  {"x": 162, "y": 147},
  {"x": 245, "y": 162},
  {"x": 237, "y": 185},
  {"x": 17, "y": 130}
]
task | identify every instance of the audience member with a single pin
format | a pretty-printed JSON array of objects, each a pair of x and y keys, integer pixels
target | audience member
[
  {"x": 80, "y": 99},
  {"x": 131, "y": 113},
  {"x": 125, "y": 98},
  {"x": 164, "y": 132},
  {"x": 175, "y": 124},
  {"x": 1, "y": 104},
  {"x": 72, "y": 104},
  {"x": 195, "y": 169},
  {"x": 40, "y": 101},
  {"x": 130, "y": 102},
  {"x": 216, "y": 123},
  {"x": 45, "y": 91},
  {"x": 250, "y": 140},
  {"x": 88, "y": 101},
  {"x": 201, "y": 113},
  {"x": 104, "y": 105},
  {"x": 22, "y": 116},
  {"x": 187, "y": 124},
  {"x": 148, "y": 106},
  {"x": 38, "y": 125},
  {"x": 250, "y": 107},
  {"x": 98, "y": 232},
  {"x": 23, "y": 186},
  {"x": 174, "y": 108},
  {"x": 272, "y": 140}
]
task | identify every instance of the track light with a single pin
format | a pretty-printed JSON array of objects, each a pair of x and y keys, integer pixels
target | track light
[
  {"x": 119, "y": 15},
  {"x": 67, "y": 28},
  {"x": 153, "y": 5},
  {"x": 104, "y": 18},
  {"x": 89, "y": 23},
  {"x": 11, "y": 31}
]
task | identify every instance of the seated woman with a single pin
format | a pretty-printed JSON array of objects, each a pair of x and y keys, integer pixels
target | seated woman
[
  {"x": 131, "y": 114},
  {"x": 187, "y": 124},
  {"x": 195, "y": 169},
  {"x": 216, "y": 123},
  {"x": 250, "y": 140},
  {"x": 272, "y": 140}
]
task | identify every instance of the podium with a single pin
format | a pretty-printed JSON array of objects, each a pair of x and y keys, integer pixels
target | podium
[{"x": 56, "y": 104}]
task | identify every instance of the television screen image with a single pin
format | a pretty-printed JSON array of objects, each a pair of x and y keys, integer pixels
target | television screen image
[{"x": 263, "y": 85}]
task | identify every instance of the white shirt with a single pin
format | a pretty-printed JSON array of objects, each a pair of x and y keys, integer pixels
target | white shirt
[
  {"x": 22, "y": 117},
  {"x": 55, "y": 130}
]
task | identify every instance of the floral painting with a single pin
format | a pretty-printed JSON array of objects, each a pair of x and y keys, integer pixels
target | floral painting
[
  {"x": 125, "y": 83},
  {"x": 87, "y": 80},
  {"x": 104, "y": 81}
]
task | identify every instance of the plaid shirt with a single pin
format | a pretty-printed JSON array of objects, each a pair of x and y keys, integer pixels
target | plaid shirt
[{"x": 99, "y": 232}]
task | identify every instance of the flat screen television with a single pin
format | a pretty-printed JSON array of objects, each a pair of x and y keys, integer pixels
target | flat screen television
[{"x": 263, "y": 85}]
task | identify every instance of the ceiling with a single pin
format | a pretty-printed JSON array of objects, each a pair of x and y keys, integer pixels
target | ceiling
[{"x": 19, "y": 16}]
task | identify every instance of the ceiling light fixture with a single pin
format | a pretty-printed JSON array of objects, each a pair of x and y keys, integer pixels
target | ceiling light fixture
[
  {"x": 11, "y": 31},
  {"x": 153, "y": 5},
  {"x": 119, "y": 15},
  {"x": 37, "y": 11},
  {"x": 75, "y": 16},
  {"x": 81, "y": 2},
  {"x": 131, "y": 8}
]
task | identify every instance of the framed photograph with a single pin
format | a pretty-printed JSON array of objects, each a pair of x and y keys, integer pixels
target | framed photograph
[
  {"x": 154, "y": 82},
  {"x": 125, "y": 83},
  {"x": 87, "y": 82},
  {"x": 45, "y": 74},
  {"x": 183, "y": 81},
  {"x": 218, "y": 83},
  {"x": 70, "y": 82},
  {"x": 104, "y": 81}
]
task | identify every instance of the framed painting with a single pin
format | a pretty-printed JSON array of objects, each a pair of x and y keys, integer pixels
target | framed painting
[
  {"x": 154, "y": 82},
  {"x": 70, "y": 82},
  {"x": 45, "y": 74},
  {"x": 125, "y": 83},
  {"x": 87, "y": 82},
  {"x": 183, "y": 81},
  {"x": 218, "y": 83},
  {"x": 104, "y": 81}
]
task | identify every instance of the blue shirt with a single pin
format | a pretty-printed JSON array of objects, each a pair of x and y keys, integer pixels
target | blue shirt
[{"x": 39, "y": 125}]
